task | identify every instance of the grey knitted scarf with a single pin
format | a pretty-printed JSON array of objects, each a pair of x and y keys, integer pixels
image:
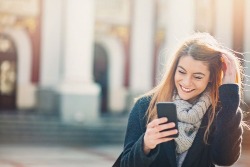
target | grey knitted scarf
[{"x": 189, "y": 119}]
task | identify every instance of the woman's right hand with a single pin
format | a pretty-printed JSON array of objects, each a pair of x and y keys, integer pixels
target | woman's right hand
[
  {"x": 153, "y": 135},
  {"x": 229, "y": 69}
]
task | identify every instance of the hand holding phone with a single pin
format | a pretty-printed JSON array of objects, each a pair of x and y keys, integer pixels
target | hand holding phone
[
  {"x": 152, "y": 136},
  {"x": 168, "y": 109}
]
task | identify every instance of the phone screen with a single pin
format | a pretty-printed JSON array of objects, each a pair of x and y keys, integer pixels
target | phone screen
[{"x": 168, "y": 109}]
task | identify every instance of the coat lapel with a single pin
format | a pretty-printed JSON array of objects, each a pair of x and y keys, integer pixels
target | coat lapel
[{"x": 169, "y": 148}]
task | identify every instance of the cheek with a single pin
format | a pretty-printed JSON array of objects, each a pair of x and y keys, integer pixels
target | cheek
[
  {"x": 203, "y": 85},
  {"x": 176, "y": 79}
]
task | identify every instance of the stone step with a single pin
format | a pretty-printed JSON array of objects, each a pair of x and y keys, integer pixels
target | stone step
[{"x": 33, "y": 129}]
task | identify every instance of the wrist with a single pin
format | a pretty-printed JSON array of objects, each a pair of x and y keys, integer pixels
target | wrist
[{"x": 146, "y": 149}]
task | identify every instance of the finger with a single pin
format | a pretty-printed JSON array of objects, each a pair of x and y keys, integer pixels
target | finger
[
  {"x": 229, "y": 63},
  {"x": 225, "y": 59},
  {"x": 157, "y": 122},
  {"x": 165, "y": 134},
  {"x": 165, "y": 126},
  {"x": 228, "y": 59},
  {"x": 224, "y": 65},
  {"x": 154, "y": 133}
]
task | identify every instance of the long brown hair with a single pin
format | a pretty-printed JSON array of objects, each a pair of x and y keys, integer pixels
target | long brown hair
[{"x": 202, "y": 47}]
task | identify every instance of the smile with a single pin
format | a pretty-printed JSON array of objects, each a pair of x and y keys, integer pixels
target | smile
[{"x": 186, "y": 89}]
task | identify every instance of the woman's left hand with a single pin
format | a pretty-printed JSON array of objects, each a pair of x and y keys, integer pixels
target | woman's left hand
[{"x": 229, "y": 69}]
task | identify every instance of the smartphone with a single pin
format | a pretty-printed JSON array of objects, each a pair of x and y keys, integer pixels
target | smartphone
[{"x": 168, "y": 109}]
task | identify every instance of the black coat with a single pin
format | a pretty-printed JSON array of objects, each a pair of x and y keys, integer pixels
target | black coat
[{"x": 225, "y": 138}]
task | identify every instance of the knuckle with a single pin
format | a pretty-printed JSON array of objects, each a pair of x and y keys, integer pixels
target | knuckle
[
  {"x": 157, "y": 128},
  {"x": 149, "y": 131},
  {"x": 150, "y": 125},
  {"x": 160, "y": 128},
  {"x": 157, "y": 122}
]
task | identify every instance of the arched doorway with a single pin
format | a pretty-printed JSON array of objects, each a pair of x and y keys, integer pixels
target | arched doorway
[
  {"x": 8, "y": 71},
  {"x": 101, "y": 74}
]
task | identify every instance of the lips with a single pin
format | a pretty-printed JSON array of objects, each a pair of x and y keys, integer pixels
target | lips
[{"x": 186, "y": 90}]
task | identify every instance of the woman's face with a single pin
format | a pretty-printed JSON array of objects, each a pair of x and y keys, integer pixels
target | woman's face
[{"x": 191, "y": 78}]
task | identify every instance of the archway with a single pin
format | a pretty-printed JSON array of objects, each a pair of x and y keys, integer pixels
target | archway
[
  {"x": 117, "y": 92},
  {"x": 101, "y": 73},
  {"x": 8, "y": 73},
  {"x": 25, "y": 98}
]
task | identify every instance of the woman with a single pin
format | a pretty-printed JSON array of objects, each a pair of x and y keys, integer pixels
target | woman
[{"x": 204, "y": 81}]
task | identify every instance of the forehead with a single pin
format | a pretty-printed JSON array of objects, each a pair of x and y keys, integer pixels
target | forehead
[{"x": 192, "y": 65}]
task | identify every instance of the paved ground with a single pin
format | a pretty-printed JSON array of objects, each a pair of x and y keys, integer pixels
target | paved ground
[
  {"x": 54, "y": 156},
  {"x": 47, "y": 156}
]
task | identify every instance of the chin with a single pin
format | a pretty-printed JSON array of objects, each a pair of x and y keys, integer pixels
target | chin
[{"x": 185, "y": 97}]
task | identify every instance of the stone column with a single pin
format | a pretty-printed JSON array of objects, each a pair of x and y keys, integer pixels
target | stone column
[
  {"x": 224, "y": 22},
  {"x": 179, "y": 24},
  {"x": 51, "y": 46},
  {"x": 79, "y": 96},
  {"x": 247, "y": 49},
  {"x": 142, "y": 45}
]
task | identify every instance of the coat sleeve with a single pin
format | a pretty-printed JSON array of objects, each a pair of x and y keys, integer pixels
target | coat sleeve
[
  {"x": 227, "y": 137},
  {"x": 133, "y": 154}
]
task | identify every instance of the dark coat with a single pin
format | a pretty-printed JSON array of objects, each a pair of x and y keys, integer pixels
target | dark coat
[{"x": 225, "y": 137}]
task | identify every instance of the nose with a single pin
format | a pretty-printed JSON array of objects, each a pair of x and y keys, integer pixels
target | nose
[{"x": 187, "y": 81}]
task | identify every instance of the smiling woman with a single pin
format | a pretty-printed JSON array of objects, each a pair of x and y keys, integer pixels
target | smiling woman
[
  {"x": 191, "y": 78},
  {"x": 204, "y": 82}
]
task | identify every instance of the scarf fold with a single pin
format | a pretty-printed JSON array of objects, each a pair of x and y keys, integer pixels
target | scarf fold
[{"x": 189, "y": 119}]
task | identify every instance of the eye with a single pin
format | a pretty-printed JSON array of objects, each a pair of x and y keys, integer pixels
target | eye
[
  {"x": 198, "y": 77},
  {"x": 181, "y": 71}
]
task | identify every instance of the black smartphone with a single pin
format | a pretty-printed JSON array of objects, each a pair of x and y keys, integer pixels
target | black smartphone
[{"x": 168, "y": 109}]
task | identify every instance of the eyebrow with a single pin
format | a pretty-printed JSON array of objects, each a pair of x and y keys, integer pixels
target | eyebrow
[{"x": 200, "y": 73}]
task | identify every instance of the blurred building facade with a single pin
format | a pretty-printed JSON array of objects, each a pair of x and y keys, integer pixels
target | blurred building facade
[{"x": 82, "y": 58}]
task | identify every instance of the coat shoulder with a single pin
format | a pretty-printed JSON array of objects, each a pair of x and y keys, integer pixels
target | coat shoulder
[{"x": 143, "y": 102}]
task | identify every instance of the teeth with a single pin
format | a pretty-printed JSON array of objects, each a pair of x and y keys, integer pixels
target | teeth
[{"x": 186, "y": 89}]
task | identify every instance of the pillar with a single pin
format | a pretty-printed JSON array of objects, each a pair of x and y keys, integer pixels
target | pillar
[
  {"x": 224, "y": 22},
  {"x": 51, "y": 46},
  {"x": 142, "y": 45},
  {"x": 247, "y": 50},
  {"x": 179, "y": 24},
  {"x": 78, "y": 94}
]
